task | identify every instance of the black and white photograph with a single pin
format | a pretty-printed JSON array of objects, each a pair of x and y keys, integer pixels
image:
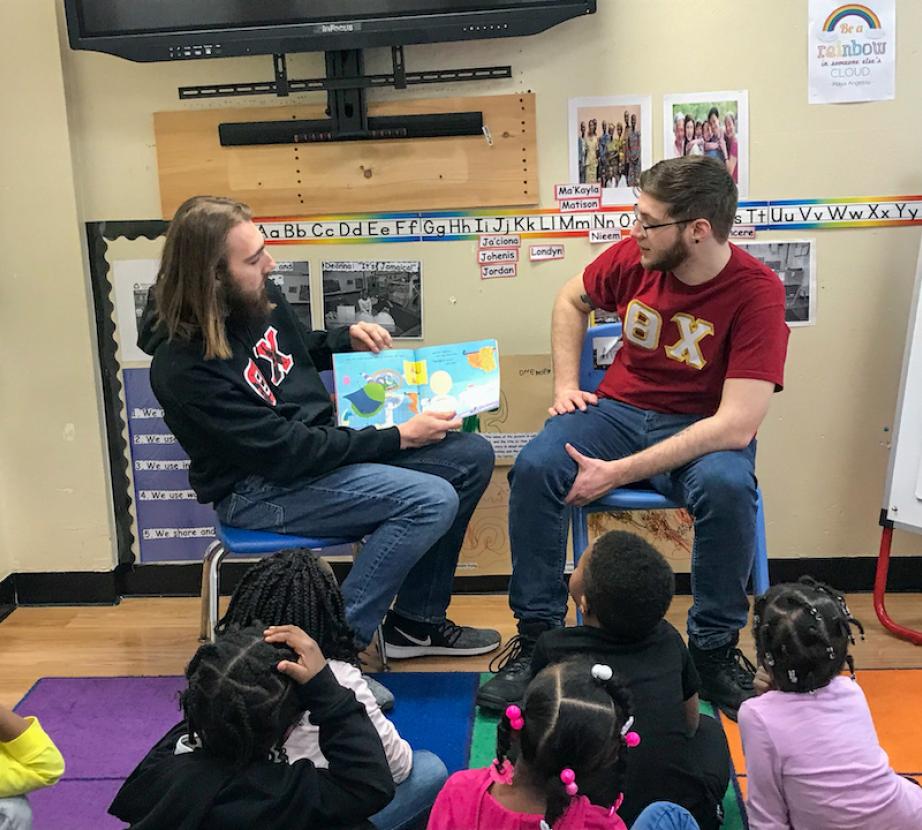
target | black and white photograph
[
  {"x": 386, "y": 293},
  {"x": 610, "y": 143},
  {"x": 131, "y": 280},
  {"x": 795, "y": 263},
  {"x": 294, "y": 278},
  {"x": 603, "y": 351}
]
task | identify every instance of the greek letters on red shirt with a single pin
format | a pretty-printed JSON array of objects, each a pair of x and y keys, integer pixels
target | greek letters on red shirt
[{"x": 681, "y": 342}]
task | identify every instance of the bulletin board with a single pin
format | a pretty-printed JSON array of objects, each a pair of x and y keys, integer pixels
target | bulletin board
[{"x": 498, "y": 168}]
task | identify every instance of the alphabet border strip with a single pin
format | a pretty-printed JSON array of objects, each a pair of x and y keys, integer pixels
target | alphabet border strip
[{"x": 452, "y": 226}]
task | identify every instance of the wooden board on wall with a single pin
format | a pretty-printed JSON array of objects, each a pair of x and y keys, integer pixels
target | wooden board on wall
[{"x": 353, "y": 176}]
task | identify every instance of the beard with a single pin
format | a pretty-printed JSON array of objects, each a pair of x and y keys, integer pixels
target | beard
[
  {"x": 670, "y": 259},
  {"x": 245, "y": 309}
]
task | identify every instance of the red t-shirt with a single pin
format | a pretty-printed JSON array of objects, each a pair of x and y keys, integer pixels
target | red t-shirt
[{"x": 681, "y": 342}]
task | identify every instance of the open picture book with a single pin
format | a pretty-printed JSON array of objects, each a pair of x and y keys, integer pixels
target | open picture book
[{"x": 392, "y": 386}]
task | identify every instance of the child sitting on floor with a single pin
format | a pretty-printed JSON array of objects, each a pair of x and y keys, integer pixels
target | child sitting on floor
[
  {"x": 224, "y": 765},
  {"x": 28, "y": 761},
  {"x": 573, "y": 725},
  {"x": 623, "y": 586},
  {"x": 812, "y": 754},
  {"x": 299, "y": 588}
]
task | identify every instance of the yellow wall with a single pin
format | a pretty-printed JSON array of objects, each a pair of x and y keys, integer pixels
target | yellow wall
[
  {"x": 53, "y": 481},
  {"x": 823, "y": 450}
]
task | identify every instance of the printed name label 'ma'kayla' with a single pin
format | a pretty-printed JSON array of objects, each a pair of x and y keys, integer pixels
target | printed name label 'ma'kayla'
[{"x": 577, "y": 191}]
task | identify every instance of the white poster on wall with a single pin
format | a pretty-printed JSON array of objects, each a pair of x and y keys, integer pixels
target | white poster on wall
[{"x": 852, "y": 51}]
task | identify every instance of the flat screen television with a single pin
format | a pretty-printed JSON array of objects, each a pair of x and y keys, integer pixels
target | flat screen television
[{"x": 166, "y": 30}]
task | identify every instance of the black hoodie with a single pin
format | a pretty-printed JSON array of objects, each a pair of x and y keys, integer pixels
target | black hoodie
[
  {"x": 264, "y": 410},
  {"x": 197, "y": 791}
]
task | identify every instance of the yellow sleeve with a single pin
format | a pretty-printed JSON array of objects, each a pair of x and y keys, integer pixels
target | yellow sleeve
[{"x": 29, "y": 762}]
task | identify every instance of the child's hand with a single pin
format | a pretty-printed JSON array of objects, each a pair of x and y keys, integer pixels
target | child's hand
[
  {"x": 310, "y": 659},
  {"x": 762, "y": 682}
]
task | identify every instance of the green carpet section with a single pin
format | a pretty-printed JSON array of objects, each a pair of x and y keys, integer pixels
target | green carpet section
[
  {"x": 483, "y": 751},
  {"x": 483, "y": 735}
]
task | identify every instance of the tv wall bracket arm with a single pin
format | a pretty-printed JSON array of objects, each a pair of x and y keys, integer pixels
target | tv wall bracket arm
[
  {"x": 346, "y": 84},
  {"x": 399, "y": 78}
]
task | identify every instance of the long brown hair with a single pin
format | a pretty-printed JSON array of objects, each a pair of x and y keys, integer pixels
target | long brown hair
[{"x": 189, "y": 296}]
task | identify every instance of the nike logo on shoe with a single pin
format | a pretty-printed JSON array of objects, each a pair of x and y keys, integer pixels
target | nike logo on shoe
[{"x": 412, "y": 639}]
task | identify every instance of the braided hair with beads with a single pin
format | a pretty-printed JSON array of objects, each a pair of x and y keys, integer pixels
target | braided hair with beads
[
  {"x": 238, "y": 706},
  {"x": 802, "y": 632},
  {"x": 294, "y": 587},
  {"x": 571, "y": 721}
]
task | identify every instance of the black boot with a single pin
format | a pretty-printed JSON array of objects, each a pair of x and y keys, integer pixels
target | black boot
[
  {"x": 512, "y": 668},
  {"x": 726, "y": 676}
]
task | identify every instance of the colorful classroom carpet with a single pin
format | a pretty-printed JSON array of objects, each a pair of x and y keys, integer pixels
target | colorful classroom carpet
[{"x": 104, "y": 725}]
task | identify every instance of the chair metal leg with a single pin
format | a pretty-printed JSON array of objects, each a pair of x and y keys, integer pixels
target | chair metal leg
[
  {"x": 579, "y": 523},
  {"x": 382, "y": 649},
  {"x": 880, "y": 590},
  {"x": 211, "y": 568},
  {"x": 760, "y": 564}
]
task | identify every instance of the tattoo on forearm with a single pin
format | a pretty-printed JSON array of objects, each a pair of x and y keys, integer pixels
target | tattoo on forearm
[{"x": 586, "y": 299}]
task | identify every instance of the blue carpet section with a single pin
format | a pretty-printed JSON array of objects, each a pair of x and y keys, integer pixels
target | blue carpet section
[{"x": 435, "y": 711}]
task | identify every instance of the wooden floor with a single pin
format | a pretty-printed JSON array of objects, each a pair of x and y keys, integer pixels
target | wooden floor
[{"x": 158, "y": 636}]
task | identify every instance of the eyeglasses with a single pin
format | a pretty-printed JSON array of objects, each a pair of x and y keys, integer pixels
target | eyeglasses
[{"x": 647, "y": 227}]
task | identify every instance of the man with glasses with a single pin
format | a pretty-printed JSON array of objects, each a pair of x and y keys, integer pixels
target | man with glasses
[{"x": 703, "y": 349}]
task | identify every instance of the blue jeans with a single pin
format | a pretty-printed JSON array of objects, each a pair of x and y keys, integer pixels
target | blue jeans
[
  {"x": 661, "y": 815},
  {"x": 413, "y": 511},
  {"x": 415, "y": 796},
  {"x": 719, "y": 490}
]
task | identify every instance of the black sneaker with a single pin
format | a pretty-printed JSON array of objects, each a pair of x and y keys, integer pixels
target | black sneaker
[
  {"x": 407, "y": 638},
  {"x": 726, "y": 676},
  {"x": 512, "y": 669}
]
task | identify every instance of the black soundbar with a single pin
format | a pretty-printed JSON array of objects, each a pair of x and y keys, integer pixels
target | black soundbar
[{"x": 436, "y": 125}]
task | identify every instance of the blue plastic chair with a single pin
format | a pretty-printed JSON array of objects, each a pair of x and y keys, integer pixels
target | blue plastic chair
[
  {"x": 636, "y": 497},
  {"x": 234, "y": 541}
]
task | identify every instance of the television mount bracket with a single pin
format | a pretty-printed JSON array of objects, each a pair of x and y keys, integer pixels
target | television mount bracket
[
  {"x": 399, "y": 78},
  {"x": 346, "y": 84}
]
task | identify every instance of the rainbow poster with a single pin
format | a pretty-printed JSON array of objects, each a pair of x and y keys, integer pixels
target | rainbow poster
[{"x": 851, "y": 51}]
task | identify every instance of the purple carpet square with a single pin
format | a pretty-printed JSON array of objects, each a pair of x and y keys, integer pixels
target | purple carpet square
[
  {"x": 75, "y": 805},
  {"x": 104, "y": 725}
]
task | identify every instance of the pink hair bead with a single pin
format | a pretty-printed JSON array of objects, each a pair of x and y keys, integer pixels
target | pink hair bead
[
  {"x": 568, "y": 777},
  {"x": 514, "y": 714},
  {"x": 632, "y": 739}
]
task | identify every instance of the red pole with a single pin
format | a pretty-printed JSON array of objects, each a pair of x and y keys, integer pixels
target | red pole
[{"x": 880, "y": 588}]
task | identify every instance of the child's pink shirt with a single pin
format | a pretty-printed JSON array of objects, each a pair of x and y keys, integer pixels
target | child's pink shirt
[{"x": 465, "y": 804}]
